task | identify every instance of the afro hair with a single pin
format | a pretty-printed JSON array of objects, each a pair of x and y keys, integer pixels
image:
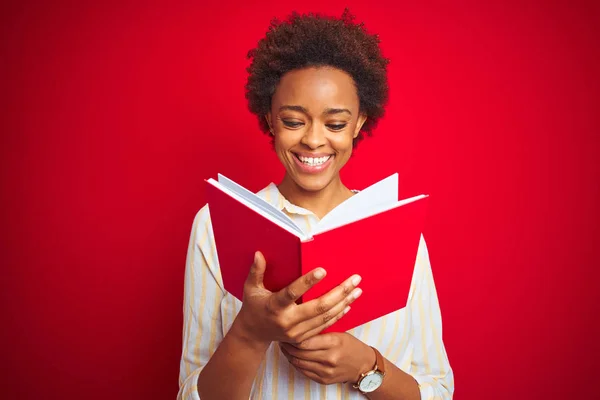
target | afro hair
[{"x": 308, "y": 40}]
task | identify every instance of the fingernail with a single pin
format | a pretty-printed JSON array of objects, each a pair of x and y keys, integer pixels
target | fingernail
[
  {"x": 356, "y": 279},
  {"x": 320, "y": 273},
  {"x": 346, "y": 310},
  {"x": 357, "y": 292}
]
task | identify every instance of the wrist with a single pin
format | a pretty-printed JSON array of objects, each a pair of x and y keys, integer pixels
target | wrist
[
  {"x": 372, "y": 379},
  {"x": 242, "y": 331},
  {"x": 369, "y": 359}
]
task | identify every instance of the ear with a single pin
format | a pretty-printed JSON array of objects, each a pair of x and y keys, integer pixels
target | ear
[
  {"x": 362, "y": 118},
  {"x": 268, "y": 118}
]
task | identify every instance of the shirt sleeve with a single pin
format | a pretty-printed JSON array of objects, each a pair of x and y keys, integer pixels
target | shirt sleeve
[
  {"x": 430, "y": 366},
  {"x": 203, "y": 292}
]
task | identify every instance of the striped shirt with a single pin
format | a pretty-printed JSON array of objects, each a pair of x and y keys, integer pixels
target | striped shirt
[{"x": 411, "y": 337}]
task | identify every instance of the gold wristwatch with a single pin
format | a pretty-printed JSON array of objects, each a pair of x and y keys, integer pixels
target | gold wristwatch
[{"x": 372, "y": 380}]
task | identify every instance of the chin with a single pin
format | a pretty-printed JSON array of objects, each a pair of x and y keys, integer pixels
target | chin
[{"x": 313, "y": 184}]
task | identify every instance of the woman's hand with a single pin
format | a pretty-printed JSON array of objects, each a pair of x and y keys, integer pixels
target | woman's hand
[
  {"x": 266, "y": 316},
  {"x": 331, "y": 358}
]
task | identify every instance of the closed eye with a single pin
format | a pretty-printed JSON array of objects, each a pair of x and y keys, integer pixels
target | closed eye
[
  {"x": 336, "y": 127},
  {"x": 292, "y": 124},
  {"x": 296, "y": 124}
]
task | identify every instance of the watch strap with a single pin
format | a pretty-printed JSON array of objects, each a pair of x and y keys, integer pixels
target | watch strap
[
  {"x": 379, "y": 367},
  {"x": 379, "y": 363}
]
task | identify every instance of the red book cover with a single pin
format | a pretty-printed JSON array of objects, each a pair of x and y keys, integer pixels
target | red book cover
[
  {"x": 381, "y": 248},
  {"x": 239, "y": 232}
]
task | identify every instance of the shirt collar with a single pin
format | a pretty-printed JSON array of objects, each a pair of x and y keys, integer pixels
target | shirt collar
[{"x": 272, "y": 195}]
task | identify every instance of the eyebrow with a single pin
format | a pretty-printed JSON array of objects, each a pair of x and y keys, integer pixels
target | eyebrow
[{"x": 328, "y": 111}]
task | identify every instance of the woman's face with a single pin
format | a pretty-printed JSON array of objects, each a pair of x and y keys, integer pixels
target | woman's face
[{"x": 315, "y": 117}]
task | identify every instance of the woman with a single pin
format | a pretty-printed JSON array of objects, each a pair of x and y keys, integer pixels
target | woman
[{"x": 317, "y": 85}]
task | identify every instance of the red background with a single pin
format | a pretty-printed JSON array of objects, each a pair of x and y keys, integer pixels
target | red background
[{"x": 113, "y": 114}]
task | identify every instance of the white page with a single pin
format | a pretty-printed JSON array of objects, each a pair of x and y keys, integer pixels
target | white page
[
  {"x": 260, "y": 205},
  {"x": 367, "y": 202},
  {"x": 380, "y": 210}
]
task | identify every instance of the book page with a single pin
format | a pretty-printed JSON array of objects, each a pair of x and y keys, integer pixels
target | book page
[
  {"x": 379, "y": 210},
  {"x": 262, "y": 206},
  {"x": 364, "y": 203}
]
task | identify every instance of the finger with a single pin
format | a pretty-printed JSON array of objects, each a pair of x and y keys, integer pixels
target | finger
[
  {"x": 314, "y": 370},
  {"x": 320, "y": 356},
  {"x": 330, "y": 299},
  {"x": 304, "y": 363},
  {"x": 296, "y": 352},
  {"x": 257, "y": 271},
  {"x": 325, "y": 317},
  {"x": 291, "y": 293},
  {"x": 319, "y": 342},
  {"x": 324, "y": 326}
]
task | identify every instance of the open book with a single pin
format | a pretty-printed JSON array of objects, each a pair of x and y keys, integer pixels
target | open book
[{"x": 372, "y": 234}]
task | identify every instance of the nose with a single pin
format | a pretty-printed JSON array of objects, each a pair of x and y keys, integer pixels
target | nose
[{"x": 314, "y": 136}]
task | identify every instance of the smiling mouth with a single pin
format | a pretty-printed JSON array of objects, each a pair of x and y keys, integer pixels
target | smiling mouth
[{"x": 313, "y": 161}]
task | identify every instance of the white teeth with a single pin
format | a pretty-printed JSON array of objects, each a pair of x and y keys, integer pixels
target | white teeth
[{"x": 314, "y": 161}]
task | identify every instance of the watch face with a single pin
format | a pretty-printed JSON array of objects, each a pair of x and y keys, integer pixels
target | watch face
[{"x": 371, "y": 382}]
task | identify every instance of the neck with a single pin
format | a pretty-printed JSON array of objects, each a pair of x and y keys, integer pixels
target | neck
[{"x": 318, "y": 202}]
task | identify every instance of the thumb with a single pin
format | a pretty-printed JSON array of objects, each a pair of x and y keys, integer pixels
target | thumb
[{"x": 257, "y": 271}]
